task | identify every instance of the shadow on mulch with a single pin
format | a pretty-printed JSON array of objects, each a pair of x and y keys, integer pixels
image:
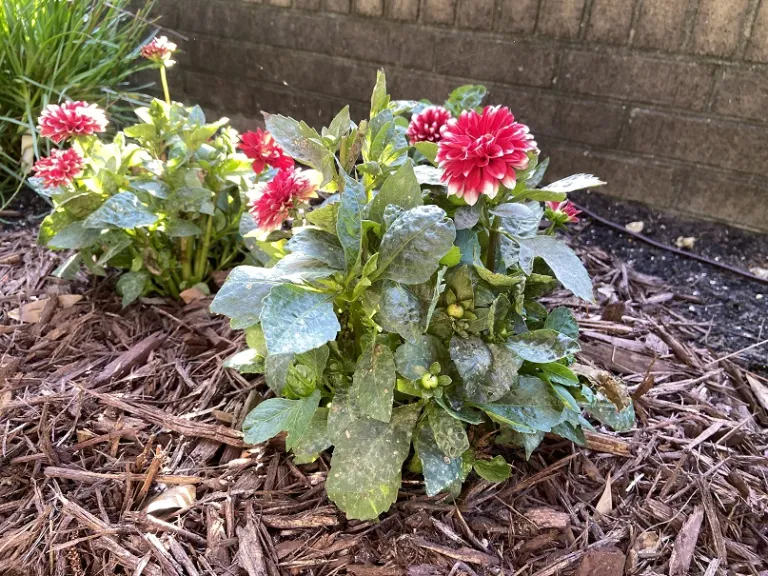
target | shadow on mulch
[{"x": 121, "y": 453}]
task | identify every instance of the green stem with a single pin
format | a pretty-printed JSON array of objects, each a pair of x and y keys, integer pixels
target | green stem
[
  {"x": 493, "y": 244},
  {"x": 186, "y": 259},
  {"x": 164, "y": 80},
  {"x": 172, "y": 288},
  {"x": 202, "y": 255}
]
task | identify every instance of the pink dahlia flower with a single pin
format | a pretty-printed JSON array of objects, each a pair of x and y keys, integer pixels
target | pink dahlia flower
[
  {"x": 427, "y": 125},
  {"x": 59, "y": 122},
  {"x": 60, "y": 168},
  {"x": 564, "y": 211},
  {"x": 276, "y": 199},
  {"x": 480, "y": 151},
  {"x": 260, "y": 147},
  {"x": 159, "y": 50}
]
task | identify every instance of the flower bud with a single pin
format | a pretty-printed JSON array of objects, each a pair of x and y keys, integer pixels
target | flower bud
[{"x": 455, "y": 311}]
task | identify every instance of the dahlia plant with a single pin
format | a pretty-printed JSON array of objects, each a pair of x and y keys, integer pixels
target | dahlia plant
[
  {"x": 162, "y": 201},
  {"x": 396, "y": 304}
]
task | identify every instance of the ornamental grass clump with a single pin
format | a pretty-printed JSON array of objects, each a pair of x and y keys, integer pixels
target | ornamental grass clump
[
  {"x": 161, "y": 202},
  {"x": 399, "y": 308}
]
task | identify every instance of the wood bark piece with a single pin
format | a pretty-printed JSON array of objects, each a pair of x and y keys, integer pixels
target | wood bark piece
[
  {"x": 685, "y": 544},
  {"x": 250, "y": 554},
  {"x": 608, "y": 561},
  {"x": 464, "y": 554},
  {"x": 135, "y": 355}
]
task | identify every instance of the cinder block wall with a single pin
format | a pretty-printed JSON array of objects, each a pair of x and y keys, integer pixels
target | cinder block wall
[{"x": 665, "y": 99}]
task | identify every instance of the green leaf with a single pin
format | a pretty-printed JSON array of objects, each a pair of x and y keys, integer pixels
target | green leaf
[
  {"x": 69, "y": 268},
  {"x": 499, "y": 380},
  {"x": 379, "y": 97},
  {"x": 400, "y": 189},
  {"x": 496, "y": 470},
  {"x": 452, "y": 258},
  {"x": 314, "y": 440},
  {"x": 538, "y": 174},
  {"x": 527, "y": 407},
  {"x": 242, "y": 295},
  {"x": 414, "y": 358},
  {"x": 373, "y": 384},
  {"x": 459, "y": 411},
  {"x": 573, "y": 183},
  {"x": 349, "y": 225},
  {"x": 297, "y": 320},
  {"x": 319, "y": 245},
  {"x": 123, "y": 210},
  {"x": 495, "y": 279},
  {"x": 141, "y": 132},
  {"x": 177, "y": 228},
  {"x": 439, "y": 470},
  {"x": 542, "y": 346},
  {"x": 429, "y": 149},
  {"x": 562, "y": 320},
  {"x": 605, "y": 412},
  {"x": 340, "y": 125},
  {"x": 156, "y": 188},
  {"x": 367, "y": 461},
  {"x": 400, "y": 311},
  {"x": 277, "y": 415},
  {"x": 413, "y": 245},
  {"x": 131, "y": 285},
  {"x": 246, "y": 362},
  {"x": 498, "y": 314},
  {"x": 466, "y": 97},
  {"x": 325, "y": 217},
  {"x": 301, "y": 142},
  {"x": 276, "y": 368},
  {"x": 437, "y": 291},
  {"x": 528, "y": 441},
  {"x": 571, "y": 432},
  {"x": 449, "y": 433},
  {"x": 472, "y": 359},
  {"x": 520, "y": 219},
  {"x": 561, "y": 259},
  {"x": 429, "y": 175},
  {"x": 73, "y": 237},
  {"x": 192, "y": 199}
]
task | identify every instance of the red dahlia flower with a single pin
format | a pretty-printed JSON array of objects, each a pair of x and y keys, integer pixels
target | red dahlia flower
[
  {"x": 478, "y": 152},
  {"x": 427, "y": 125},
  {"x": 59, "y": 122},
  {"x": 159, "y": 50},
  {"x": 564, "y": 211},
  {"x": 276, "y": 199},
  {"x": 260, "y": 147},
  {"x": 60, "y": 168}
]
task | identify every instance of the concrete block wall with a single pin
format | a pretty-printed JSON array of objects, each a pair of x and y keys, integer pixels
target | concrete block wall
[{"x": 667, "y": 100}]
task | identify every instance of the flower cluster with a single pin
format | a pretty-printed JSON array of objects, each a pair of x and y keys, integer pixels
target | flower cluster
[
  {"x": 70, "y": 119},
  {"x": 260, "y": 147},
  {"x": 428, "y": 125},
  {"x": 479, "y": 152},
  {"x": 159, "y": 50},
  {"x": 274, "y": 201},
  {"x": 60, "y": 168}
]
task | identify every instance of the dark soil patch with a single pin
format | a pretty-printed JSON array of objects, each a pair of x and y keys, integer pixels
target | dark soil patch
[{"x": 732, "y": 311}]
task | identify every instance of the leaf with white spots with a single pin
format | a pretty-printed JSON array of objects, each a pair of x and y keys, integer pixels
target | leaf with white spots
[
  {"x": 573, "y": 183},
  {"x": 373, "y": 384}
]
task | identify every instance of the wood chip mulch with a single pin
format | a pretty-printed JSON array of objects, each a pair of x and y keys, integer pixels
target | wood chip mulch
[{"x": 120, "y": 453}]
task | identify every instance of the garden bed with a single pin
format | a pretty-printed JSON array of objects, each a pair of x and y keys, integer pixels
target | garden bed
[{"x": 107, "y": 414}]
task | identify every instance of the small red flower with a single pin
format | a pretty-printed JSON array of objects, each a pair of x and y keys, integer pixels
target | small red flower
[
  {"x": 566, "y": 211},
  {"x": 60, "y": 168},
  {"x": 276, "y": 199},
  {"x": 159, "y": 50},
  {"x": 427, "y": 125},
  {"x": 59, "y": 122},
  {"x": 480, "y": 151},
  {"x": 260, "y": 147}
]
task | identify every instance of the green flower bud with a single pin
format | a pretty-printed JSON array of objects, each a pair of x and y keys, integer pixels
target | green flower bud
[
  {"x": 455, "y": 311},
  {"x": 429, "y": 381}
]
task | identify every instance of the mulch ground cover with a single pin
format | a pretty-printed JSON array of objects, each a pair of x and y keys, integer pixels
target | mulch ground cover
[{"x": 120, "y": 452}]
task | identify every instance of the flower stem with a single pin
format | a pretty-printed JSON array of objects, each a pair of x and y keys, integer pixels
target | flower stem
[
  {"x": 493, "y": 244},
  {"x": 164, "y": 80},
  {"x": 186, "y": 259},
  {"x": 202, "y": 256}
]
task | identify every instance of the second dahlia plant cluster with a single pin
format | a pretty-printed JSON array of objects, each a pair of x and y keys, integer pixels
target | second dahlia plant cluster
[
  {"x": 396, "y": 306},
  {"x": 162, "y": 201}
]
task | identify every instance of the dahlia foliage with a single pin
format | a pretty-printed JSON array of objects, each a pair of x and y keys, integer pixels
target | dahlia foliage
[
  {"x": 395, "y": 300},
  {"x": 163, "y": 201}
]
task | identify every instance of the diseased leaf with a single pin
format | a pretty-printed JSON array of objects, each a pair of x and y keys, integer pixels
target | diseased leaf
[
  {"x": 131, "y": 285},
  {"x": 496, "y": 470},
  {"x": 449, "y": 433},
  {"x": 400, "y": 311},
  {"x": 177, "y": 228},
  {"x": 246, "y": 362},
  {"x": 606, "y": 413},
  {"x": 528, "y": 407},
  {"x": 367, "y": 460},
  {"x": 413, "y": 245},
  {"x": 500, "y": 379},
  {"x": 349, "y": 224},
  {"x": 314, "y": 440},
  {"x": 562, "y": 320},
  {"x": 569, "y": 431},
  {"x": 319, "y": 245},
  {"x": 414, "y": 358},
  {"x": 280, "y": 415},
  {"x": 561, "y": 259},
  {"x": 123, "y": 210},
  {"x": 466, "y": 97},
  {"x": 542, "y": 346},
  {"x": 472, "y": 359},
  {"x": 73, "y": 237},
  {"x": 436, "y": 293},
  {"x": 325, "y": 217},
  {"x": 428, "y": 175},
  {"x": 528, "y": 441},
  {"x": 301, "y": 142},
  {"x": 400, "y": 189},
  {"x": 573, "y": 183},
  {"x": 439, "y": 470},
  {"x": 276, "y": 368},
  {"x": 373, "y": 384},
  {"x": 466, "y": 217},
  {"x": 296, "y": 320}
]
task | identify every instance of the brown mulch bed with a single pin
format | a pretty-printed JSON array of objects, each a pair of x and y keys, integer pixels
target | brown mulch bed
[{"x": 120, "y": 453}]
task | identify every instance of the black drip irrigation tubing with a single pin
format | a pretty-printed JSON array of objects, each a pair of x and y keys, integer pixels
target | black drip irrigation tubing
[{"x": 667, "y": 247}]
